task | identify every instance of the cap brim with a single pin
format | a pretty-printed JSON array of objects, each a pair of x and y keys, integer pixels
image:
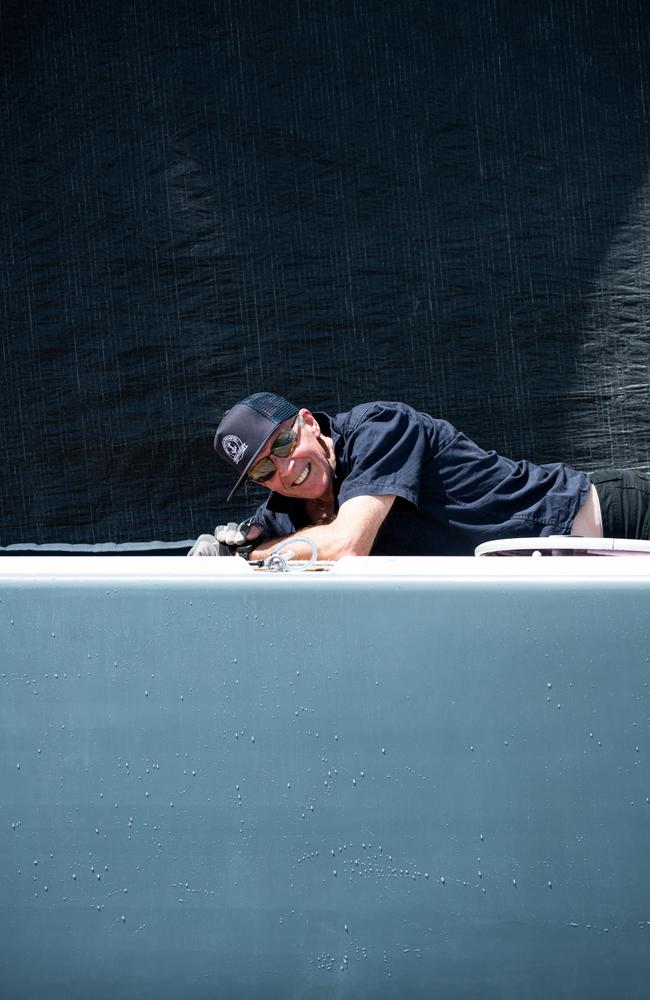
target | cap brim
[
  {"x": 249, "y": 466},
  {"x": 236, "y": 487}
]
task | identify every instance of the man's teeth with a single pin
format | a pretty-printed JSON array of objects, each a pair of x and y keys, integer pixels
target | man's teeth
[{"x": 303, "y": 475}]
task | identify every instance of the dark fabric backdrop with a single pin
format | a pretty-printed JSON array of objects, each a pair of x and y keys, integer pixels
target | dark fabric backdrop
[{"x": 442, "y": 202}]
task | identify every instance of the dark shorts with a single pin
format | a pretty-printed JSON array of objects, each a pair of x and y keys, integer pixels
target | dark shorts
[{"x": 624, "y": 503}]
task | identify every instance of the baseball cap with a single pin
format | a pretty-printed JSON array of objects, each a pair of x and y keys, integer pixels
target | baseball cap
[{"x": 246, "y": 428}]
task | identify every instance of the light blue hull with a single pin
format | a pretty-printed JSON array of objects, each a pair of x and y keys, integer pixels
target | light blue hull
[{"x": 324, "y": 785}]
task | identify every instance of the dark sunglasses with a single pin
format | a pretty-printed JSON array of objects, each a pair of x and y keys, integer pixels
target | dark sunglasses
[{"x": 283, "y": 446}]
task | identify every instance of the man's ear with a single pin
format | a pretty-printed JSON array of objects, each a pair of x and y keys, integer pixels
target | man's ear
[{"x": 309, "y": 419}]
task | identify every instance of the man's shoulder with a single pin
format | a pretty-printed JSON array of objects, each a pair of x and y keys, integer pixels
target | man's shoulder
[{"x": 377, "y": 409}]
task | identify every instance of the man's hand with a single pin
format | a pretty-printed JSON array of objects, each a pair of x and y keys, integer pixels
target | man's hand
[
  {"x": 207, "y": 545},
  {"x": 240, "y": 538},
  {"x": 228, "y": 540}
]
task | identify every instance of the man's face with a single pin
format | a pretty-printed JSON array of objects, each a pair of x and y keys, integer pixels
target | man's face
[{"x": 306, "y": 473}]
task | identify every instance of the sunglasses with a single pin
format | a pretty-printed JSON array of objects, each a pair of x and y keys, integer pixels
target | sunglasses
[{"x": 283, "y": 446}]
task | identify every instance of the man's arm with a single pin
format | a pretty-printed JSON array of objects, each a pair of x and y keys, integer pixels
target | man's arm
[{"x": 351, "y": 533}]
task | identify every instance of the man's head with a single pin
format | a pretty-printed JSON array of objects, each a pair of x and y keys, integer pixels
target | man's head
[{"x": 267, "y": 439}]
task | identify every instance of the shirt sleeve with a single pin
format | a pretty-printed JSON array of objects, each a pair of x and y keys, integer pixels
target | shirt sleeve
[{"x": 383, "y": 453}]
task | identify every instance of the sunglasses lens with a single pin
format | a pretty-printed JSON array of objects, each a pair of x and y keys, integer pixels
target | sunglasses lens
[
  {"x": 262, "y": 471},
  {"x": 282, "y": 446}
]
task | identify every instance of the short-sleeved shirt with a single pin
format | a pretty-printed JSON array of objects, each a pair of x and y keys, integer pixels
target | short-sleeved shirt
[{"x": 451, "y": 495}]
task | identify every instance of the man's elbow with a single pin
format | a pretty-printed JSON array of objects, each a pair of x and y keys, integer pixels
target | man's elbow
[
  {"x": 357, "y": 524},
  {"x": 353, "y": 545}
]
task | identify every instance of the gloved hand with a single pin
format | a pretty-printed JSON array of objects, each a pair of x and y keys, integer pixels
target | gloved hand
[
  {"x": 235, "y": 537},
  {"x": 207, "y": 545}
]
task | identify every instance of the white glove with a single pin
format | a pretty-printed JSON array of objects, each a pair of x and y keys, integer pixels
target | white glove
[
  {"x": 207, "y": 545},
  {"x": 235, "y": 536}
]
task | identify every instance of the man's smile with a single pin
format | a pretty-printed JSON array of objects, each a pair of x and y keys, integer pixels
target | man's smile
[{"x": 303, "y": 475}]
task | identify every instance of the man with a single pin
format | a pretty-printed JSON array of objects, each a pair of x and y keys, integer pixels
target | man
[{"x": 384, "y": 479}]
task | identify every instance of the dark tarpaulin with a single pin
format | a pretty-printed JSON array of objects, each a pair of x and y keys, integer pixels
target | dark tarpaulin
[{"x": 443, "y": 203}]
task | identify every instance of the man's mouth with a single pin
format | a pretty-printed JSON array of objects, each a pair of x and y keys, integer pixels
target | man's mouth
[{"x": 303, "y": 475}]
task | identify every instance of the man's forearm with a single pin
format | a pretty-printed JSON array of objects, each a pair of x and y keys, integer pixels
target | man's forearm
[
  {"x": 351, "y": 533},
  {"x": 328, "y": 545}
]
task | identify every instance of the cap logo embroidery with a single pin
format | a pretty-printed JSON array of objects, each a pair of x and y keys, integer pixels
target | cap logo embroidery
[{"x": 234, "y": 448}]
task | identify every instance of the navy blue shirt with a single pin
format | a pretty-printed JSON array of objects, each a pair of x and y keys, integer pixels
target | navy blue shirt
[{"x": 450, "y": 494}]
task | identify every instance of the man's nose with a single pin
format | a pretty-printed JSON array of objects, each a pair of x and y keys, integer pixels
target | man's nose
[{"x": 282, "y": 465}]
